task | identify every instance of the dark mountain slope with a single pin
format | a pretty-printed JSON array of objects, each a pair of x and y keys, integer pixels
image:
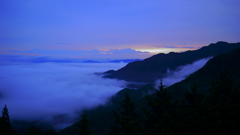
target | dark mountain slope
[
  {"x": 156, "y": 66},
  {"x": 203, "y": 78},
  {"x": 102, "y": 116}
]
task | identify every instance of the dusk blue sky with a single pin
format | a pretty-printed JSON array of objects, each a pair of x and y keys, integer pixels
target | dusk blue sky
[{"x": 114, "y": 28}]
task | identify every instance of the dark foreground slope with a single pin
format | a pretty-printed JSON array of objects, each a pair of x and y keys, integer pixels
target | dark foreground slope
[
  {"x": 102, "y": 117},
  {"x": 156, "y": 66}
]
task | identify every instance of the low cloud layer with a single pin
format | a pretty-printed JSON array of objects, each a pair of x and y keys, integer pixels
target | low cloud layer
[
  {"x": 182, "y": 72},
  {"x": 94, "y": 53},
  {"x": 49, "y": 90}
]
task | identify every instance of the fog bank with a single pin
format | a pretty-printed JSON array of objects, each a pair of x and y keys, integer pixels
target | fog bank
[{"x": 55, "y": 91}]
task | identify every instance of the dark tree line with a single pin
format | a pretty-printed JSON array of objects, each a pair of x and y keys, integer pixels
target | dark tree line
[
  {"x": 196, "y": 113},
  {"x": 7, "y": 129}
]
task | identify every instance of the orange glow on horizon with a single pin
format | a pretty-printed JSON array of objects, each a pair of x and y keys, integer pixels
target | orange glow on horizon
[
  {"x": 166, "y": 49},
  {"x": 156, "y": 50}
]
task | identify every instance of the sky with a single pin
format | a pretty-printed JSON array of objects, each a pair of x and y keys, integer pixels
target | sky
[{"x": 114, "y": 28}]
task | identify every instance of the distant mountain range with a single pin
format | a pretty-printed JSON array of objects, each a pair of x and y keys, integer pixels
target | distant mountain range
[
  {"x": 44, "y": 59},
  {"x": 156, "y": 67},
  {"x": 113, "y": 61}
]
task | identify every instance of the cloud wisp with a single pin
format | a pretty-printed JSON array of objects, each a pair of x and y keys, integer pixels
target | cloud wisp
[
  {"x": 182, "y": 72},
  {"x": 46, "y": 91}
]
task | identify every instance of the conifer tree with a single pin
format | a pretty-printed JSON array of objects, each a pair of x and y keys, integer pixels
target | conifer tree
[
  {"x": 158, "y": 117},
  {"x": 5, "y": 125},
  {"x": 5, "y": 115},
  {"x": 192, "y": 120},
  {"x": 223, "y": 112},
  {"x": 128, "y": 121},
  {"x": 192, "y": 98},
  {"x": 84, "y": 125}
]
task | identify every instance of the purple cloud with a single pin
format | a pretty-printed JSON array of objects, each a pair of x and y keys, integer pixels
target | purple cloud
[
  {"x": 188, "y": 47},
  {"x": 125, "y": 51}
]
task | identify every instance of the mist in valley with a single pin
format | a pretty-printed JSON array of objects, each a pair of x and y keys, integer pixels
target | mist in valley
[
  {"x": 58, "y": 92},
  {"x": 55, "y": 92}
]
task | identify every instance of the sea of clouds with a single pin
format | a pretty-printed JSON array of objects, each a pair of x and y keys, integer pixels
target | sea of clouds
[
  {"x": 55, "y": 92},
  {"x": 58, "y": 92}
]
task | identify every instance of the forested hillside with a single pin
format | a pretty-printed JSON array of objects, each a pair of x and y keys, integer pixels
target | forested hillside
[{"x": 206, "y": 101}]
